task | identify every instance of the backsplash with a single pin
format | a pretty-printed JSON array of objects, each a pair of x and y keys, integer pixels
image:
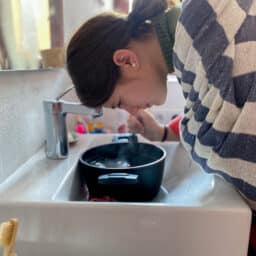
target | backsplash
[{"x": 21, "y": 113}]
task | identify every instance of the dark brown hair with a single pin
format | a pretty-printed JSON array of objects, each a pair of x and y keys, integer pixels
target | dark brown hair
[{"x": 90, "y": 50}]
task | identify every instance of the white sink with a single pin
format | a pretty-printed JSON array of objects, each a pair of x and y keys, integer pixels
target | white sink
[
  {"x": 184, "y": 184},
  {"x": 195, "y": 214}
]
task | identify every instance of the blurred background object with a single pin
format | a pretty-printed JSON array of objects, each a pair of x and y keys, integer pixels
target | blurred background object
[
  {"x": 33, "y": 33},
  {"x": 53, "y": 58},
  {"x": 26, "y": 28}
]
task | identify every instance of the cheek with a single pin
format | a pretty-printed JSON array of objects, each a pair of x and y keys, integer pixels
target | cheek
[
  {"x": 158, "y": 95},
  {"x": 155, "y": 90}
]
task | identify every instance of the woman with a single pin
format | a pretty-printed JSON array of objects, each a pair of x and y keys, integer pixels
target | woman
[{"x": 122, "y": 62}]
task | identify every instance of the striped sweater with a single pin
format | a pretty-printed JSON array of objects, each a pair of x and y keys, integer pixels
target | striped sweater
[{"x": 214, "y": 57}]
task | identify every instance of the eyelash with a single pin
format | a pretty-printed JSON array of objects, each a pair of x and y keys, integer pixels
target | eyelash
[{"x": 117, "y": 106}]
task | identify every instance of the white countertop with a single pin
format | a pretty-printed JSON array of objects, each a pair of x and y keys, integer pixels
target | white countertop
[{"x": 39, "y": 177}]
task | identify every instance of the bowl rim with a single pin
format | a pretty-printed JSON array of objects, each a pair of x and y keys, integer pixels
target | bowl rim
[{"x": 162, "y": 158}]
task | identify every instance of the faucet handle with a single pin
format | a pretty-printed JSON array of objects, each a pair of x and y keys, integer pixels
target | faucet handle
[{"x": 125, "y": 137}]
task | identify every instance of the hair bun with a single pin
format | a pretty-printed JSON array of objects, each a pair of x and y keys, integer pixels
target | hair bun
[{"x": 135, "y": 19}]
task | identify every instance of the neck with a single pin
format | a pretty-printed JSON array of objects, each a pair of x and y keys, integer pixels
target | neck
[{"x": 149, "y": 53}]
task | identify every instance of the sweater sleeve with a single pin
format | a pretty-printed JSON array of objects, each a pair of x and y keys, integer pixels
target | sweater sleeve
[{"x": 214, "y": 51}]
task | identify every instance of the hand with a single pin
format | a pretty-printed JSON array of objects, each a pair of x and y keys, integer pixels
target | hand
[{"x": 145, "y": 124}]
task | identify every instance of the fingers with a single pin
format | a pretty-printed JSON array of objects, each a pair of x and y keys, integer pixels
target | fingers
[
  {"x": 145, "y": 124},
  {"x": 135, "y": 125},
  {"x": 145, "y": 117},
  {"x": 152, "y": 128}
]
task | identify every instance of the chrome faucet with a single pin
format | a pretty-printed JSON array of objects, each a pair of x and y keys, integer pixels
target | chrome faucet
[{"x": 55, "y": 112}]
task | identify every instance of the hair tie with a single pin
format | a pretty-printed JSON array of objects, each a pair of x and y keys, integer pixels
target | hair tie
[{"x": 135, "y": 19}]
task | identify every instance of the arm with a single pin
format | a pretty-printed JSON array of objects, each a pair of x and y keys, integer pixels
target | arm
[{"x": 145, "y": 124}]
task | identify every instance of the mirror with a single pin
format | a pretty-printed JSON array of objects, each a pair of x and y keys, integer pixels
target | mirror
[{"x": 31, "y": 34}]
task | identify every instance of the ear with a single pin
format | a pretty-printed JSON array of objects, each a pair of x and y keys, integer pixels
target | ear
[{"x": 126, "y": 58}]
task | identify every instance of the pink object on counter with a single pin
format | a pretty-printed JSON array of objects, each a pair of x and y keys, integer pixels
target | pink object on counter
[{"x": 80, "y": 128}]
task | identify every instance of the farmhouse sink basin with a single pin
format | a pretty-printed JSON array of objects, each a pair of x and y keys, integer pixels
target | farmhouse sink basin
[
  {"x": 194, "y": 213},
  {"x": 184, "y": 183}
]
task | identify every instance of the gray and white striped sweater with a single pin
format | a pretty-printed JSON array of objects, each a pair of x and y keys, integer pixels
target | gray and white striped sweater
[{"x": 214, "y": 57}]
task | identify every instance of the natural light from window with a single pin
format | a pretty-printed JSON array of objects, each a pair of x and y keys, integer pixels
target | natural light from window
[{"x": 130, "y": 5}]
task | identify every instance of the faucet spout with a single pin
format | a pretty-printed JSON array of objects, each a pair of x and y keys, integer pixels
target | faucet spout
[
  {"x": 55, "y": 112},
  {"x": 77, "y": 108}
]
